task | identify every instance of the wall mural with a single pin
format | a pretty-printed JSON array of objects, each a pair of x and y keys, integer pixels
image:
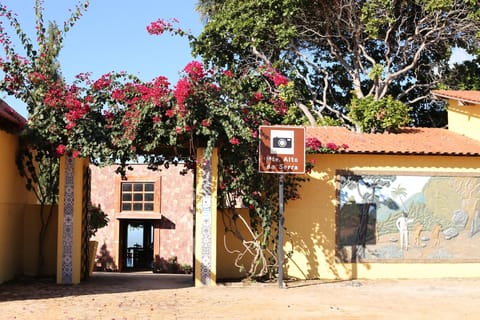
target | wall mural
[{"x": 427, "y": 218}]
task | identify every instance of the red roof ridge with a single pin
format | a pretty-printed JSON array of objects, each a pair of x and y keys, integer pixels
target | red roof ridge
[
  {"x": 466, "y": 96},
  {"x": 10, "y": 119},
  {"x": 409, "y": 140}
]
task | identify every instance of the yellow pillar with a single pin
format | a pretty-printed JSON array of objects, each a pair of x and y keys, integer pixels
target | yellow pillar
[
  {"x": 206, "y": 220},
  {"x": 70, "y": 208}
]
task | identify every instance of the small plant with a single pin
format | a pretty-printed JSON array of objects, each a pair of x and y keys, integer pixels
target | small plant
[
  {"x": 97, "y": 219},
  {"x": 173, "y": 265},
  {"x": 186, "y": 268}
]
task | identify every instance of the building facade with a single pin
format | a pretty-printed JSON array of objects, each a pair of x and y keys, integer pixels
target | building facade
[
  {"x": 150, "y": 218},
  {"x": 392, "y": 205}
]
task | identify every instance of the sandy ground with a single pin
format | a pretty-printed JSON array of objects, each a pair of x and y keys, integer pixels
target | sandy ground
[{"x": 160, "y": 296}]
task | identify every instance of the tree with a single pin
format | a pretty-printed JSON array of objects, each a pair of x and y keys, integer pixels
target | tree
[
  {"x": 24, "y": 77},
  {"x": 463, "y": 76},
  {"x": 39, "y": 166},
  {"x": 338, "y": 50},
  {"x": 400, "y": 193}
]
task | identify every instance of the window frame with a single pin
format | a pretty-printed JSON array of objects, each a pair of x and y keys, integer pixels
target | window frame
[{"x": 133, "y": 213}]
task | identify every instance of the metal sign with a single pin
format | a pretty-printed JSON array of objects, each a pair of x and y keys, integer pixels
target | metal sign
[{"x": 282, "y": 149}]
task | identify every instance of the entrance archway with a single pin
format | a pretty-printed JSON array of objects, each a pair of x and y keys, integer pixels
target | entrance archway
[{"x": 202, "y": 205}]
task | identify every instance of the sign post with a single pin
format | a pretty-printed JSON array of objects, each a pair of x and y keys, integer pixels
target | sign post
[
  {"x": 280, "y": 231},
  {"x": 281, "y": 151}
]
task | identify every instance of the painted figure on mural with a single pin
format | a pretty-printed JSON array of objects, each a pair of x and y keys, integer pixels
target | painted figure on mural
[{"x": 402, "y": 226}]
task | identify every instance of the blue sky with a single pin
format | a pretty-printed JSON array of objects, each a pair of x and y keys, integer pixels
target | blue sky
[{"x": 112, "y": 36}]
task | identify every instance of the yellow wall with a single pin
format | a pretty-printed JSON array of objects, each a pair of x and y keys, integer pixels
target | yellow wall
[
  {"x": 229, "y": 246},
  {"x": 310, "y": 221},
  {"x": 464, "y": 119},
  {"x": 12, "y": 198},
  {"x": 11, "y": 242},
  {"x": 31, "y": 227}
]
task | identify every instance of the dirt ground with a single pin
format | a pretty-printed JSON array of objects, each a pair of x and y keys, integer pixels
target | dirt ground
[{"x": 161, "y": 296}]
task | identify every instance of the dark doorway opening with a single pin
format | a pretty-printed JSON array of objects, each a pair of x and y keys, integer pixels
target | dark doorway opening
[{"x": 136, "y": 244}]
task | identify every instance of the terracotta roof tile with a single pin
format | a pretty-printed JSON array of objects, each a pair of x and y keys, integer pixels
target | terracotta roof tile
[
  {"x": 10, "y": 120},
  {"x": 469, "y": 96},
  {"x": 429, "y": 141}
]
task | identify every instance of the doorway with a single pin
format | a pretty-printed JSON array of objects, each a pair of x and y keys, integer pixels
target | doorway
[{"x": 136, "y": 244}]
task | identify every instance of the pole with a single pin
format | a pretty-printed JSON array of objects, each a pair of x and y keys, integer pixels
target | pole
[{"x": 280, "y": 232}]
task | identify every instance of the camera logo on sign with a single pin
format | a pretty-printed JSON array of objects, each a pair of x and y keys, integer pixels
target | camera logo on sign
[
  {"x": 281, "y": 149},
  {"x": 282, "y": 142}
]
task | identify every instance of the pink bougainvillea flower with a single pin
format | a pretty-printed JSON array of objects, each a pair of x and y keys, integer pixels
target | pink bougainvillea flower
[
  {"x": 258, "y": 96},
  {"x": 70, "y": 125},
  {"x": 75, "y": 153},
  {"x": 61, "y": 148},
  {"x": 332, "y": 146},
  {"x": 160, "y": 26},
  {"x": 195, "y": 70},
  {"x": 214, "y": 87},
  {"x": 181, "y": 92},
  {"x": 234, "y": 141},
  {"x": 313, "y": 143},
  {"x": 156, "y": 119},
  {"x": 83, "y": 76},
  {"x": 279, "y": 79},
  {"x": 157, "y": 27},
  {"x": 37, "y": 77},
  {"x": 103, "y": 82},
  {"x": 107, "y": 115},
  {"x": 205, "y": 123},
  {"x": 170, "y": 113},
  {"x": 161, "y": 81},
  {"x": 280, "y": 106},
  {"x": 118, "y": 94},
  {"x": 228, "y": 73}
]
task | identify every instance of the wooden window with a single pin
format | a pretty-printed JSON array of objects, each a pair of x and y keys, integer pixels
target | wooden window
[{"x": 137, "y": 196}]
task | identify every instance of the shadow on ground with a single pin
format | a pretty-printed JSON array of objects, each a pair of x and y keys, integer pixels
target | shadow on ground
[{"x": 98, "y": 283}]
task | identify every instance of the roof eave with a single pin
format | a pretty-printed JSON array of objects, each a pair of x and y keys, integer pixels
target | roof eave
[
  {"x": 411, "y": 153},
  {"x": 14, "y": 121},
  {"x": 462, "y": 100}
]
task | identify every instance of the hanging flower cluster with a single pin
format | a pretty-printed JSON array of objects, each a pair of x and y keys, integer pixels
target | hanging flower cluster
[
  {"x": 277, "y": 78},
  {"x": 314, "y": 145},
  {"x": 158, "y": 27}
]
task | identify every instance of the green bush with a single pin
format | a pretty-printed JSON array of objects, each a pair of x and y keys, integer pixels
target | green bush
[{"x": 386, "y": 114}]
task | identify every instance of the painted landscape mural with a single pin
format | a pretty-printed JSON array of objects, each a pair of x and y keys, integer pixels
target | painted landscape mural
[{"x": 427, "y": 218}]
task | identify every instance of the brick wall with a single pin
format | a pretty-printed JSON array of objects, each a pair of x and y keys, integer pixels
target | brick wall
[{"x": 177, "y": 211}]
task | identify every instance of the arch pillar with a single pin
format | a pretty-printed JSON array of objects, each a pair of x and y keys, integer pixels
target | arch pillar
[
  {"x": 71, "y": 204},
  {"x": 206, "y": 219}
]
